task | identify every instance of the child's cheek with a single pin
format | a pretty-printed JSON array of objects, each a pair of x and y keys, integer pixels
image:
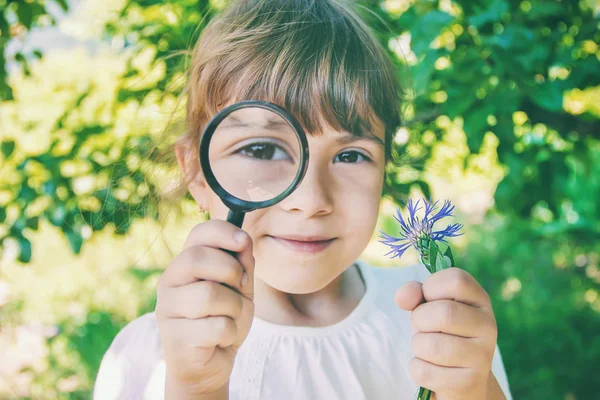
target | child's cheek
[
  {"x": 361, "y": 198},
  {"x": 217, "y": 209}
]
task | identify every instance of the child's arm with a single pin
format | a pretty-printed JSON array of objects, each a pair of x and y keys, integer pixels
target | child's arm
[{"x": 494, "y": 390}]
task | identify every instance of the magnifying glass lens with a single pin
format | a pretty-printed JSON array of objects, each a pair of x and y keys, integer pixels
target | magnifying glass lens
[{"x": 254, "y": 154}]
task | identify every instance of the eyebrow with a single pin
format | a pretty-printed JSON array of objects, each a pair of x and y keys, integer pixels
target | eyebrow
[
  {"x": 350, "y": 138},
  {"x": 270, "y": 123}
]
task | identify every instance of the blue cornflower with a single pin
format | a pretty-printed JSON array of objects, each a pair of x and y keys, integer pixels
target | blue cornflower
[{"x": 415, "y": 229}]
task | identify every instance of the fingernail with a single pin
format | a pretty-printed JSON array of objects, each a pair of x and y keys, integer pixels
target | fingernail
[
  {"x": 244, "y": 279},
  {"x": 415, "y": 285},
  {"x": 239, "y": 236}
]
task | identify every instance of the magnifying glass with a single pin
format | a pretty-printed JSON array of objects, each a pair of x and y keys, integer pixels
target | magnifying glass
[{"x": 253, "y": 155}]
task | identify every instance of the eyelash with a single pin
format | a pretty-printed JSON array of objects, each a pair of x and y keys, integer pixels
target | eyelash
[{"x": 361, "y": 154}]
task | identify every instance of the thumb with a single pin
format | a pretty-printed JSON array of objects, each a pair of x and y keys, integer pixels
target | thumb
[{"x": 409, "y": 295}]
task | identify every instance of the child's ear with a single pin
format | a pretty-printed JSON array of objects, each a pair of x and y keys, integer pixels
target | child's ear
[{"x": 190, "y": 168}]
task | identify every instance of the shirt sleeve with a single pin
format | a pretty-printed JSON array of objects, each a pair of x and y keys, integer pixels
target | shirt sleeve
[
  {"x": 500, "y": 373},
  {"x": 131, "y": 367},
  {"x": 115, "y": 380}
]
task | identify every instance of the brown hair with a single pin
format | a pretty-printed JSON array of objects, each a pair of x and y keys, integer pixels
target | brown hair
[{"x": 315, "y": 58}]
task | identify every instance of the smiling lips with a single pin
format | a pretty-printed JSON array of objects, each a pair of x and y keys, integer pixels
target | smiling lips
[{"x": 304, "y": 244}]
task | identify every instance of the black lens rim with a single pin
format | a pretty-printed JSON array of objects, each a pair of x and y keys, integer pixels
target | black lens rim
[{"x": 232, "y": 202}]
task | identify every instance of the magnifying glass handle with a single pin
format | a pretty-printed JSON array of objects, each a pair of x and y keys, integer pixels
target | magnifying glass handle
[{"x": 236, "y": 218}]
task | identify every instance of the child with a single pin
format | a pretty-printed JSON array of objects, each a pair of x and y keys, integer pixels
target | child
[{"x": 296, "y": 315}]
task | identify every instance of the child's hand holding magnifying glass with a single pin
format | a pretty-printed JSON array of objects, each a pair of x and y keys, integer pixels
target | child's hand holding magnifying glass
[
  {"x": 253, "y": 154},
  {"x": 205, "y": 309}
]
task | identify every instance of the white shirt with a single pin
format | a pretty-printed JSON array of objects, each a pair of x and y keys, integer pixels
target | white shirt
[{"x": 363, "y": 357}]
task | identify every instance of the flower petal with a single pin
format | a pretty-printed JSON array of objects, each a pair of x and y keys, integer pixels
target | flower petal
[
  {"x": 412, "y": 210},
  {"x": 389, "y": 239},
  {"x": 398, "y": 251},
  {"x": 429, "y": 207},
  {"x": 449, "y": 231},
  {"x": 445, "y": 211},
  {"x": 398, "y": 217}
]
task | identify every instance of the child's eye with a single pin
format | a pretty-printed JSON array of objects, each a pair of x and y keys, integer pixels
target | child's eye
[
  {"x": 351, "y": 157},
  {"x": 264, "y": 151}
]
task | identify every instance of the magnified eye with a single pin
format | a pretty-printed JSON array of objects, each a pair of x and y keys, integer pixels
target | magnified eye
[{"x": 264, "y": 151}]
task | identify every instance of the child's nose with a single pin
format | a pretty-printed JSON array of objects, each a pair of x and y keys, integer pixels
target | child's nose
[{"x": 313, "y": 197}]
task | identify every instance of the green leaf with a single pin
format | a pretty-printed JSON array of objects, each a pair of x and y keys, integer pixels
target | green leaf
[
  {"x": 475, "y": 124},
  {"x": 442, "y": 262},
  {"x": 439, "y": 262},
  {"x": 25, "y": 14},
  {"x": 433, "y": 253},
  {"x": 459, "y": 101},
  {"x": 19, "y": 224},
  {"x": 447, "y": 262},
  {"x": 90, "y": 130},
  {"x": 24, "y": 249},
  {"x": 492, "y": 14},
  {"x": 426, "y": 29},
  {"x": 505, "y": 99},
  {"x": 27, "y": 194},
  {"x": 546, "y": 9},
  {"x": 7, "y": 147},
  {"x": 33, "y": 223},
  {"x": 57, "y": 214},
  {"x": 2, "y": 214},
  {"x": 75, "y": 240},
  {"x": 424, "y": 186},
  {"x": 548, "y": 95},
  {"x": 513, "y": 37},
  {"x": 63, "y": 4},
  {"x": 422, "y": 72},
  {"x": 448, "y": 253},
  {"x": 49, "y": 187}
]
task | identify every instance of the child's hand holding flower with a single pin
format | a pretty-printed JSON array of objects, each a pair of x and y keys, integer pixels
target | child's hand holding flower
[
  {"x": 454, "y": 334},
  {"x": 452, "y": 320}
]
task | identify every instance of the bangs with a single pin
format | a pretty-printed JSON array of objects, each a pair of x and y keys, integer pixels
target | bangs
[{"x": 320, "y": 63}]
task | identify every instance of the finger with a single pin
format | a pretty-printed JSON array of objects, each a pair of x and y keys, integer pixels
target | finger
[
  {"x": 454, "y": 318},
  {"x": 447, "y": 350},
  {"x": 246, "y": 259},
  {"x": 218, "y": 234},
  {"x": 202, "y": 263},
  {"x": 199, "y": 300},
  {"x": 224, "y": 235},
  {"x": 447, "y": 380},
  {"x": 409, "y": 295},
  {"x": 455, "y": 284}
]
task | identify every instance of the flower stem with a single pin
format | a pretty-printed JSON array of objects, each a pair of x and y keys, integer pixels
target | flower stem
[
  {"x": 424, "y": 394},
  {"x": 424, "y": 245}
]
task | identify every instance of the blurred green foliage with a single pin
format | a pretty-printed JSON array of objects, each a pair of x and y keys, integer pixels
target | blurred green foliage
[
  {"x": 17, "y": 17},
  {"x": 501, "y": 90}
]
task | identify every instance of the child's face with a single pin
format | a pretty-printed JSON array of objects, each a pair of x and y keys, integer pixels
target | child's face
[{"x": 338, "y": 200}]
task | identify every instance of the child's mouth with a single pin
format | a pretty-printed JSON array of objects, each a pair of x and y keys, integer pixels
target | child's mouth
[{"x": 308, "y": 244}]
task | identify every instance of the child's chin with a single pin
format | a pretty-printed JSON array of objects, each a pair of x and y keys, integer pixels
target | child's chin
[
  {"x": 294, "y": 286},
  {"x": 296, "y": 277}
]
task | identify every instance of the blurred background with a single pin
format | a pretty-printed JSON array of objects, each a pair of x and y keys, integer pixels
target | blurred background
[{"x": 501, "y": 115}]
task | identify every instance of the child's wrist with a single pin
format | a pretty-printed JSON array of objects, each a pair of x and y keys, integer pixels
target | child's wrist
[
  {"x": 177, "y": 391},
  {"x": 494, "y": 391}
]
